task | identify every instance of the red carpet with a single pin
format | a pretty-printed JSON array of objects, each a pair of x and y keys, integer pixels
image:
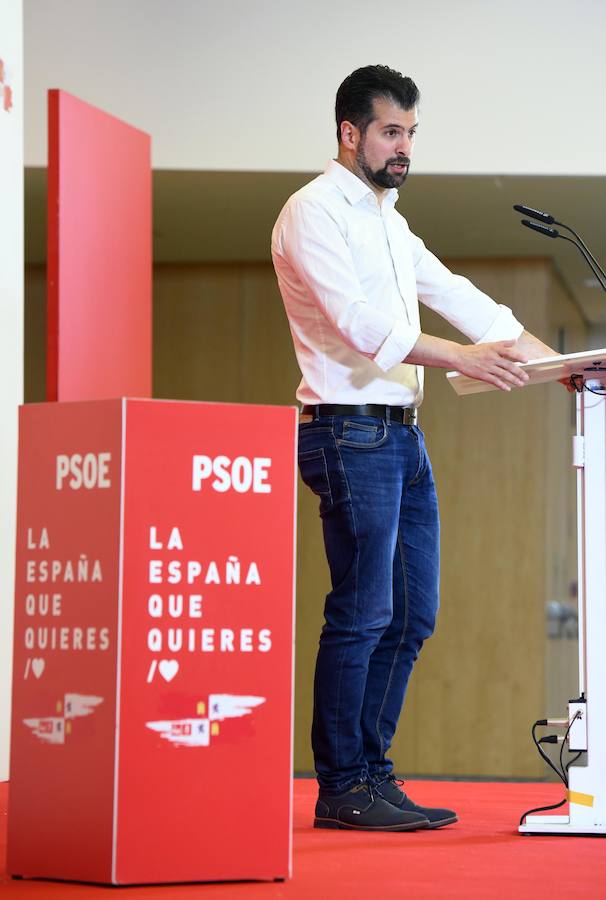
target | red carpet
[{"x": 480, "y": 857}]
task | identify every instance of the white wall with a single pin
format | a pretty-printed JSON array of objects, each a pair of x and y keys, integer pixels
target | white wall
[
  {"x": 11, "y": 336},
  {"x": 512, "y": 87}
]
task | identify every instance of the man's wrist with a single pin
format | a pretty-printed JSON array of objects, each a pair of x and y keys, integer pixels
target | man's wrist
[
  {"x": 437, "y": 352},
  {"x": 452, "y": 355},
  {"x": 457, "y": 355}
]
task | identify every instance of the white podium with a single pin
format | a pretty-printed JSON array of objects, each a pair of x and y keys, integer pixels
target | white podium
[{"x": 585, "y": 724}]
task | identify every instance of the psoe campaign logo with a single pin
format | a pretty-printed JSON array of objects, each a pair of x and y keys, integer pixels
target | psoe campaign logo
[
  {"x": 53, "y": 729},
  {"x": 198, "y": 732},
  {"x": 6, "y": 91}
]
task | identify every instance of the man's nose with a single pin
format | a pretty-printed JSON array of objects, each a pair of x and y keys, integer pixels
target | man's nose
[{"x": 405, "y": 145}]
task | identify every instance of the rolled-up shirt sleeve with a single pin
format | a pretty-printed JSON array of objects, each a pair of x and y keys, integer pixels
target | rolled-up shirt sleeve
[
  {"x": 459, "y": 301},
  {"x": 315, "y": 248}
]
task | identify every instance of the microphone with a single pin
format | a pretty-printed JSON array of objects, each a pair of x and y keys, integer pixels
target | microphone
[
  {"x": 543, "y": 227},
  {"x": 535, "y": 214}
]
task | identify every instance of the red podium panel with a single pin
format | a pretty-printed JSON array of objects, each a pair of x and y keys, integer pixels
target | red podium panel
[
  {"x": 99, "y": 310},
  {"x": 152, "y": 699}
]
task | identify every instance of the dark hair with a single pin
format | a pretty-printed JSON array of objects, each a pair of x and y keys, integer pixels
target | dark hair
[{"x": 355, "y": 96}]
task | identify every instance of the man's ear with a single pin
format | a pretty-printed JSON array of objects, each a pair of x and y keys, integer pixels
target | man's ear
[{"x": 350, "y": 135}]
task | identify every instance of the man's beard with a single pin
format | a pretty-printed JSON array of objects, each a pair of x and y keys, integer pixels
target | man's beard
[{"x": 383, "y": 178}]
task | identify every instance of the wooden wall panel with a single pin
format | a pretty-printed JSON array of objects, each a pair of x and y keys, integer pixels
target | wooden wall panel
[
  {"x": 506, "y": 495},
  {"x": 34, "y": 335},
  {"x": 196, "y": 333},
  {"x": 220, "y": 333},
  {"x": 471, "y": 676},
  {"x": 498, "y": 461},
  {"x": 270, "y": 373}
]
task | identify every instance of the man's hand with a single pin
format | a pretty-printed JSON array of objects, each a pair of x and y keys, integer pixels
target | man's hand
[{"x": 494, "y": 363}]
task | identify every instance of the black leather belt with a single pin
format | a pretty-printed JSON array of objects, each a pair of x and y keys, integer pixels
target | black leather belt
[{"x": 404, "y": 415}]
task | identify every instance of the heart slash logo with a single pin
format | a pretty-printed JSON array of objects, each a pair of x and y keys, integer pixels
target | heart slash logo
[
  {"x": 168, "y": 668},
  {"x": 38, "y": 667}
]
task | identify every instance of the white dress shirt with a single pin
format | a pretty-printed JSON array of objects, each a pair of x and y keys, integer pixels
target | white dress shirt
[{"x": 351, "y": 274}]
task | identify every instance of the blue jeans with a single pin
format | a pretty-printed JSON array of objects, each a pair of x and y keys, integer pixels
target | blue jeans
[{"x": 380, "y": 520}]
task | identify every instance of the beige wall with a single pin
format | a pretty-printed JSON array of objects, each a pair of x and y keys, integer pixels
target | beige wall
[{"x": 507, "y": 503}]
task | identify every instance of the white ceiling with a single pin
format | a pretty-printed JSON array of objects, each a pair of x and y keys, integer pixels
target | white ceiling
[{"x": 513, "y": 87}]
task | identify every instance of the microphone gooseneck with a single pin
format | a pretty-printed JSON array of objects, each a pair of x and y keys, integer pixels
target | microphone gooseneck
[{"x": 542, "y": 226}]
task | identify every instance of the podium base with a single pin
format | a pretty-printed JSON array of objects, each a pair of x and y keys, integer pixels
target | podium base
[{"x": 559, "y": 825}]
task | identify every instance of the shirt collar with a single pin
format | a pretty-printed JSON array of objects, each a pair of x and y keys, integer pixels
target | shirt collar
[{"x": 353, "y": 187}]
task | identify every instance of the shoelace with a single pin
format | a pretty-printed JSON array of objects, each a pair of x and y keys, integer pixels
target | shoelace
[
  {"x": 399, "y": 781},
  {"x": 367, "y": 783},
  {"x": 372, "y": 786},
  {"x": 392, "y": 778}
]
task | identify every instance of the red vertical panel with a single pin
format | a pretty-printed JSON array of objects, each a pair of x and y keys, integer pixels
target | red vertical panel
[
  {"x": 99, "y": 254},
  {"x": 65, "y": 650}
]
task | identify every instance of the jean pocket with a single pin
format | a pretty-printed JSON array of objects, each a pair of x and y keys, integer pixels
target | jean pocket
[
  {"x": 364, "y": 435},
  {"x": 314, "y": 472}
]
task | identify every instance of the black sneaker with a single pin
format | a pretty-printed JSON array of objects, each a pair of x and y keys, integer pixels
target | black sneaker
[
  {"x": 390, "y": 789},
  {"x": 362, "y": 809}
]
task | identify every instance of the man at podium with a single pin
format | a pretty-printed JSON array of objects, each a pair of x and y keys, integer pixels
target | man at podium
[{"x": 351, "y": 274}]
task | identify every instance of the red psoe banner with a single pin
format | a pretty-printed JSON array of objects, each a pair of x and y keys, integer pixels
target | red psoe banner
[{"x": 152, "y": 708}]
